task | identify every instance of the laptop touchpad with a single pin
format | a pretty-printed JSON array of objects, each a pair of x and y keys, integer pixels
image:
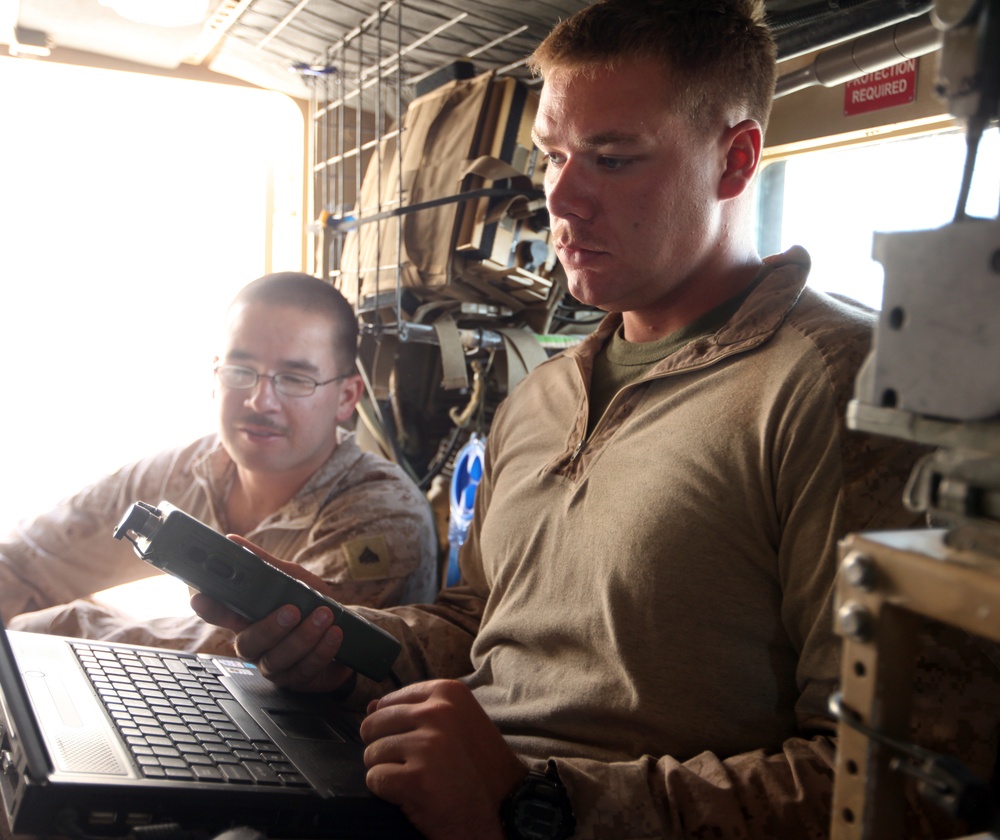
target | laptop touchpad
[{"x": 303, "y": 725}]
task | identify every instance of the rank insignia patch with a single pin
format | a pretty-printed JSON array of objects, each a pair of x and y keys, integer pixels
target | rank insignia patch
[{"x": 367, "y": 557}]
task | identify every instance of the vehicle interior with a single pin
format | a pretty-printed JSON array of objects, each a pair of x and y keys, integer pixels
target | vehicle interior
[
  {"x": 433, "y": 223},
  {"x": 461, "y": 309}
]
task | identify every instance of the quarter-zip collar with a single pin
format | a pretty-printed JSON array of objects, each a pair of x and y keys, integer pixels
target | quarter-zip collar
[{"x": 753, "y": 324}]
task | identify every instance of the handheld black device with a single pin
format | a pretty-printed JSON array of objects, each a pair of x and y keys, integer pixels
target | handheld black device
[{"x": 174, "y": 541}]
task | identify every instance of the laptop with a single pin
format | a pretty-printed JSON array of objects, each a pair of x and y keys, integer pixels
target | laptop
[{"x": 101, "y": 739}]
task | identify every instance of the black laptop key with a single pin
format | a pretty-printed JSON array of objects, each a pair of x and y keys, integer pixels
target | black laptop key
[
  {"x": 207, "y": 773},
  {"x": 236, "y": 773},
  {"x": 261, "y": 773}
]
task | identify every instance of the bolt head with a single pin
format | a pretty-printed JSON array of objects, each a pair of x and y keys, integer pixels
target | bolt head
[
  {"x": 859, "y": 571},
  {"x": 855, "y": 622}
]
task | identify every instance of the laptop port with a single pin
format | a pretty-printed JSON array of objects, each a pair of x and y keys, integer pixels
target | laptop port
[
  {"x": 102, "y": 817},
  {"x": 138, "y": 819}
]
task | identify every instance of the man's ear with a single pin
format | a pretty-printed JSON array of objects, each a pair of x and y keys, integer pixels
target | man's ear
[
  {"x": 743, "y": 143},
  {"x": 351, "y": 390}
]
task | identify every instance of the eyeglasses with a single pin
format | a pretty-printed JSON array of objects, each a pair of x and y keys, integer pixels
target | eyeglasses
[{"x": 290, "y": 384}]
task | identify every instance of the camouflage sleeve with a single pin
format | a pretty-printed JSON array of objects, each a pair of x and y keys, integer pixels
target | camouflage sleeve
[
  {"x": 748, "y": 796},
  {"x": 436, "y": 641},
  {"x": 68, "y": 552}
]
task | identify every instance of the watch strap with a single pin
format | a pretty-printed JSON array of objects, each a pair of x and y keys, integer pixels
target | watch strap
[{"x": 539, "y": 808}]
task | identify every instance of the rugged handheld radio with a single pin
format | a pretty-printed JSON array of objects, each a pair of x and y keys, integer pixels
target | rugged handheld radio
[{"x": 172, "y": 540}]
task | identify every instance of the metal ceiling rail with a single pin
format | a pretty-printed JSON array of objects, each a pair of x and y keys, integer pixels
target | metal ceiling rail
[
  {"x": 262, "y": 37},
  {"x": 412, "y": 80},
  {"x": 387, "y": 71},
  {"x": 512, "y": 66},
  {"x": 496, "y": 41},
  {"x": 367, "y": 23},
  {"x": 419, "y": 42},
  {"x": 287, "y": 19}
]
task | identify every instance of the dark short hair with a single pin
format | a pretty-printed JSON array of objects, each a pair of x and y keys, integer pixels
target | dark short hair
[
  {"x": 720, "y": 52},
  {"x": 303, "y": 291}
]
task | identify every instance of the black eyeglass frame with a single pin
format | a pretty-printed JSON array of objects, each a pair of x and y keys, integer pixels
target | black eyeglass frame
[{"x": 275, "y": 378}]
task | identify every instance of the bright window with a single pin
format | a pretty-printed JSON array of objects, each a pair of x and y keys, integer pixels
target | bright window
[
  {"x": 133, "y": 207},
  {"x": 831, "y": 202}
]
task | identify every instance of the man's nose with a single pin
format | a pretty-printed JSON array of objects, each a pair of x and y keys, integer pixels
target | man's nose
[
  {"x": 263, "y": 396},
  {"x": 569, "y": 192}
]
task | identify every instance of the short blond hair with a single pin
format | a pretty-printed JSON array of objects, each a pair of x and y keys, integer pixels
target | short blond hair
[{"x": 721, "y": 53}]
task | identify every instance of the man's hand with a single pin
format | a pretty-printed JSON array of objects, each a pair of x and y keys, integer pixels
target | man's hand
[
  {"x": 288, "y": 651},
  {"x": 433, "y": 751}
]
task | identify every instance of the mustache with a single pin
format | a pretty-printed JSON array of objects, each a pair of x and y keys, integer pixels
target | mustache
[{"x": 262, "y": 422}]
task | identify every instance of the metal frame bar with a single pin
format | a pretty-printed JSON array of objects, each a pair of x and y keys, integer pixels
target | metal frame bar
[{"x": 887, "y": 582}]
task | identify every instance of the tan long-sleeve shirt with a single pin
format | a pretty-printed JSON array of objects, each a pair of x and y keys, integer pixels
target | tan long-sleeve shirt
[{"x": 650, "y": 605}]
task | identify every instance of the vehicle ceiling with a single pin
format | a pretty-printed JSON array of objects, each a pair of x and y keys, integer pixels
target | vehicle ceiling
[{"x": 258, "y": 41}]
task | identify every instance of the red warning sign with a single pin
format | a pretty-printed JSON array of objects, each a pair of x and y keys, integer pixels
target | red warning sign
[{"x": 886, "y": 88}]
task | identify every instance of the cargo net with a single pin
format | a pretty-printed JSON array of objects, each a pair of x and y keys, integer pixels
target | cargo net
[{"x": 457, "y": 213}]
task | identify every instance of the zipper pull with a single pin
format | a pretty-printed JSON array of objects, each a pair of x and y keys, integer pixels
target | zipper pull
[{"x": 577, "y": 451}]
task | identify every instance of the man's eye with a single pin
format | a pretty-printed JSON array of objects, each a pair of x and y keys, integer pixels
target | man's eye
[
  {"x": 553, "y": 159},
  {"x": 295, "y": 381},
  {"x": 613, "y": 163}
]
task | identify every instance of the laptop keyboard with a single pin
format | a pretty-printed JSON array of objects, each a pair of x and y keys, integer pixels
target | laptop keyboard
[{"x": 180, "y": 722}]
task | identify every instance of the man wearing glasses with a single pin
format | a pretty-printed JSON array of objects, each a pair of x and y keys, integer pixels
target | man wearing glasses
[{"x": 281, "y": 471}]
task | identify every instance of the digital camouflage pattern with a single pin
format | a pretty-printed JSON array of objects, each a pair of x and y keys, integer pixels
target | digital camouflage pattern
[{"x": 359, "y": 523}]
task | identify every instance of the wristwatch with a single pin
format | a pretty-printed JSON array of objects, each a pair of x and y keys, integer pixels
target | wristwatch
[{"x": 539, "y": 809}]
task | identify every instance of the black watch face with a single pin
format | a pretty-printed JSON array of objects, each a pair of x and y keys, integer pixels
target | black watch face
[{"x": 539, "y": 818}]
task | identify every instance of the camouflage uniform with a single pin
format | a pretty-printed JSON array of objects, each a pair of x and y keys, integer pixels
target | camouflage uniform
[
  {"x": 359, "y": 523},
  {"x": 651, "y": 605}
]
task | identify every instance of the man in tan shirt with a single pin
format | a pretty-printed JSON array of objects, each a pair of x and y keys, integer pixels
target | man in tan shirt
[{"x": 281, "y": 471}]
